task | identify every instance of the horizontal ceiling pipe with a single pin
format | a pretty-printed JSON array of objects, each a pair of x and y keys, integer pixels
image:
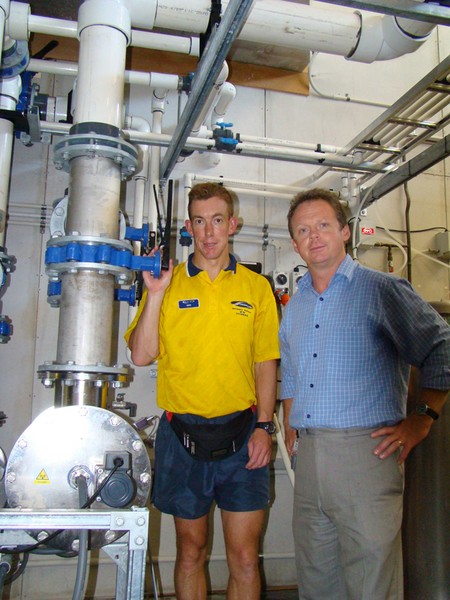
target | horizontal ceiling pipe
[
  {"x": 348, "y": 163},
  {"x": 353, "y": 35},
  {"x": 21, "y": 24},
  {"x": 152, "y": 79},
  {"x": 249, "y": 187}
]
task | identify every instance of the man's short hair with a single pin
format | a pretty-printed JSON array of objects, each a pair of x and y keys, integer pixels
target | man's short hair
[
  {"x": 317, "y": 194},
  {"x": 204, "y": 191}
]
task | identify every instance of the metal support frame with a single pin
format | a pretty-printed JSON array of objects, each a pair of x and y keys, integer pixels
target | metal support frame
[
  {"x": 408, "y": 170},
  {"x": 431, "y": 13},
  {"x": 208, "y": 70},
  {"x": 129, "y": 553}
]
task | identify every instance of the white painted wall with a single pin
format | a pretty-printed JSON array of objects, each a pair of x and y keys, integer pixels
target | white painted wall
[{"x": 256, "y": 112}]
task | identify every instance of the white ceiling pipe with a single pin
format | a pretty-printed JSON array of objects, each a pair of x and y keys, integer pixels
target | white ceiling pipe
[
  {"x": 254, "y": 150},
  {"x": 226, "y": 96},
  {"x": 274, "y": 22},
  {"x": 210, "y": 100},
  {"x": 382, "y": 38},
  {"x": 21, "y": 24},
  {"x": 259, "y": 186},
  {"x": 329, "y": 149},
  {"x": 152, "y": 80}
]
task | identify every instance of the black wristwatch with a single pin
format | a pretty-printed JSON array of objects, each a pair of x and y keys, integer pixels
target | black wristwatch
[
  {"x": 268, "y": 426},
  {"x": 423, "y": 409}
]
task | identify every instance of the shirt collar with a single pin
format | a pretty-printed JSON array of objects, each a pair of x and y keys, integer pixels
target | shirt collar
[
  {"x": 192, "y": 270},
  {"x": 346, "y": 269}
]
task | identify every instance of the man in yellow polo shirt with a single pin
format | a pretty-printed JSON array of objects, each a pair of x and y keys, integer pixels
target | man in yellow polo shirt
[{"x": 212, "y": 325}]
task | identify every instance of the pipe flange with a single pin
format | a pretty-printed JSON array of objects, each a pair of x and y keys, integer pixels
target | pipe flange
[
  {"x": 123, "y": 276},
  {"x": 70, "y": 374},
  {"x": 14, "y": 59},
  {"x": 95, "y": 145},
  {"x": 89, "y": 240}
]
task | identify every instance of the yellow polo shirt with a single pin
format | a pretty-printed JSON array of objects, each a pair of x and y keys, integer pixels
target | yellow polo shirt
[{"x": 211, "y": 335}]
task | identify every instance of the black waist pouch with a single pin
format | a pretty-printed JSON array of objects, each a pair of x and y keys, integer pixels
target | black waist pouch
[{"x": 215, "y": 441}]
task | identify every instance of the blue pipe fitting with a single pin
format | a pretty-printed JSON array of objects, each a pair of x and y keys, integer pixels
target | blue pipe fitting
[
  {"x": 138, "y": 235},
  {"x": 128, "y": 295},
  {"x": 78, "y": 255},
  {"x": 5, "y": 329},
  {"x": 224, "y": 137}
]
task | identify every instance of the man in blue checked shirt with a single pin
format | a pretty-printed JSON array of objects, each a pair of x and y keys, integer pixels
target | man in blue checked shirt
[{"x": 348, "y": 338}]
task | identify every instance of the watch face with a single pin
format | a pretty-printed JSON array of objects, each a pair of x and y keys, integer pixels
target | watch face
[
  {"x": 423, "y": 409},
  {"x": 268, "y": 426}
]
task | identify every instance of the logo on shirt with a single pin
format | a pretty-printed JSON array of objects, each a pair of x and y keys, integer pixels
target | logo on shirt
[
  {"x": 241, "y": 307},
  {"x": 192, "y": 303}
]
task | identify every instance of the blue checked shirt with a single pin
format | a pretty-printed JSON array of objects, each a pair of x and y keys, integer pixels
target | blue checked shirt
[{"x": 345, "y": 353}]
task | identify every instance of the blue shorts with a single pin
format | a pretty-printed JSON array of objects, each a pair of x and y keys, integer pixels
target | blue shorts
[{"x": 186, "y": 487}]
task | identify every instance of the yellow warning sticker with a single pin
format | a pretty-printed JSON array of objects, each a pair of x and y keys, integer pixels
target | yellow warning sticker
[{"x": 42, "y": 478}]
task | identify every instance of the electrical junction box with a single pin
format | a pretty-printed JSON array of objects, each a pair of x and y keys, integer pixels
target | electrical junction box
[
  {"x": 443, "y": 244},
  {"x": 366, "y": 233}
]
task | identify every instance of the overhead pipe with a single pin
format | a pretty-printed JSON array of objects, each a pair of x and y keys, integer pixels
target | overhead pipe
[
  {"x": 255, "y": 150},
  {"x": 227, "y": 94},
  {"x": 211, "y": 100},
  {"x": 353, "y": 35},
  {"x": 150, "y": 79}
]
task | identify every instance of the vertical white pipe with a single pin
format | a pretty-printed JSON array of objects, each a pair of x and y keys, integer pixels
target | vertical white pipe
[
  {"x": 9, "y": 95},
  {"x": 2, "y": 26},
  {"x": 101, "y": 76},
  {"x": 6, "y": 144}
]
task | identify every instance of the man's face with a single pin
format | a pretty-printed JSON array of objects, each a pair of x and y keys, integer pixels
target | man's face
[
  {"x": 210, "y": 226},
  {"x": 318, "y": 236}
]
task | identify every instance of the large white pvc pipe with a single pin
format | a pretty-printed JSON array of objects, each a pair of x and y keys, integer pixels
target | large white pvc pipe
[
  {"x": 271, "y": 22},
  {"x": 100, "y": 83}
]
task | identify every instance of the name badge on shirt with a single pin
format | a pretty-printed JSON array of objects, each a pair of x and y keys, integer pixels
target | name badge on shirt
[{"x": 193, "y": 303}]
